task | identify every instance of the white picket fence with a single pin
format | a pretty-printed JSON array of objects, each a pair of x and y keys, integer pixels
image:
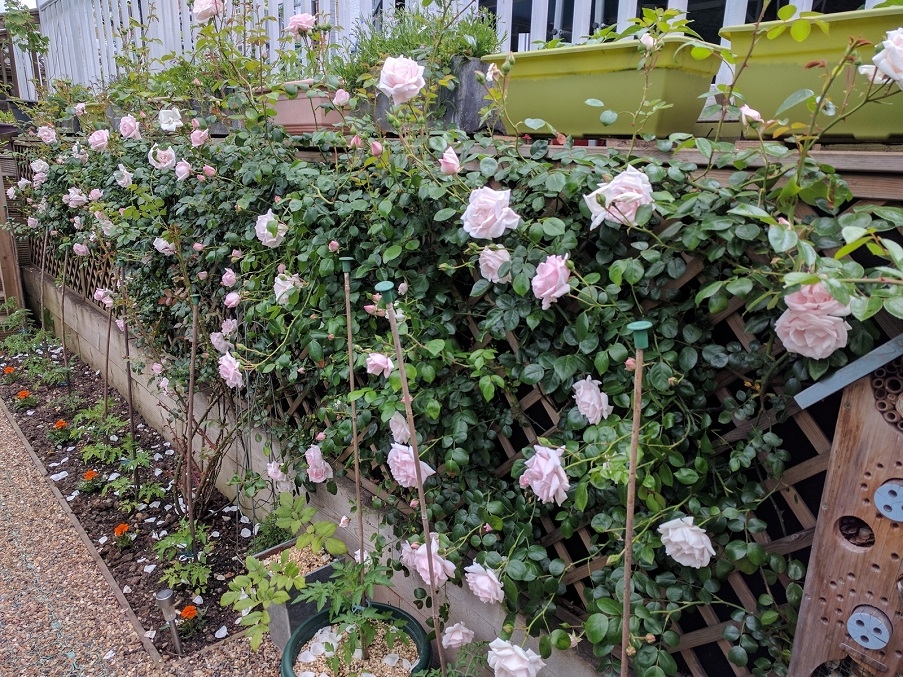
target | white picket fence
[{"x": 85, "y": 35}]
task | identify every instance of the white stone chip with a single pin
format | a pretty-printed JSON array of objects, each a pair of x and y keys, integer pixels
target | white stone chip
[
  {"x": 245, "y": 519},
  {"x": 109, "y": 654},
  {"x": 149, "y": 568},
  {"x": 157, "y": 472},
  {"x": 150, "y": 634},
  {"x": 102, "y": 540},
  {"x": 198, "y": 600},
  {"x": 158, "y": 457},
  {"x": 214, "y": 534},
  {"x": 155, "y": 504},
  {"x": 126, "y": 589},
  {"x": 245, "y": 533},
  {"x": 222, "y": 632},
  {"x": 114, "y": 476},
  {"x": 59, "y": 476}
]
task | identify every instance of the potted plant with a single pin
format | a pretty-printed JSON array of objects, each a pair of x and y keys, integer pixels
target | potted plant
[
  {"x": 789, "y": 55},
  {"x": 651, "y": 85},
  {"x": 267, "y": 593}
]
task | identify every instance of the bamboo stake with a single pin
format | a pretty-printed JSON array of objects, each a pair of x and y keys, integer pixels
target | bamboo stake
[
  {"x": 106, "y": 362},
  {"x": 387, "y": 290},
  {"x": 63, "y": 322},
  {"x": 641, "y": 342},
  {"x": 189, "y": 425}
]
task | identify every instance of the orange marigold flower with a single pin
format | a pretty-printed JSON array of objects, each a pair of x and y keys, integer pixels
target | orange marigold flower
[
  {"x": 120, "y": 530},
  {"x": 90, "y": 475},
  {"x": 189, "y": 612},
  {"x": 22, "y": 394},
  {"x": 9, "y": 370},
  {"x": 59, "y": 425}
]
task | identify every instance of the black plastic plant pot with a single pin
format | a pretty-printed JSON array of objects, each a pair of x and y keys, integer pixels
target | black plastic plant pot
[{"x": 306, "y": 631}]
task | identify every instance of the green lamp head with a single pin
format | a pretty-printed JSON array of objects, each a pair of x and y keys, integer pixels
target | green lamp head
[
  {"x": 346, "y": 263},
  {"x": 640, "y": 330},
  {"x": 387, "y": 290}
]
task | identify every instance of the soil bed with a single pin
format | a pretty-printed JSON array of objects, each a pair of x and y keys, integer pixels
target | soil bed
[{"x": 136, "y": 567}]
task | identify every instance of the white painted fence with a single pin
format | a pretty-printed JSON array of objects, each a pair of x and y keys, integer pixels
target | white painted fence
[{"x": 84, "y": 33}]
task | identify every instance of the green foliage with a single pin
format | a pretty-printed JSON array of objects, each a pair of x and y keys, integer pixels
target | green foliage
[
  {"x": 268, "y": 535},
  {"x": 98, "y": 424},
  {"x": 293, "y": 515}
]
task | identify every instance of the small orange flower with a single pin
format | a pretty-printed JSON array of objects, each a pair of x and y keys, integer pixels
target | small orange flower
[
  {"x": 90, "y": 475},
  {"x": 120, "y": 530},
  {"x": 59, "y": 425},
  {"x": 9, "y": 370},
  {"x": 23, "y": 394},
  {"x": 189, "y": 612}
]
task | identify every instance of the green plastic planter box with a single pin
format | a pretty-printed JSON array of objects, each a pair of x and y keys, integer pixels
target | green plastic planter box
[
  {"x": 553, "y": 85},
  {"x": 776, "y": 70}
]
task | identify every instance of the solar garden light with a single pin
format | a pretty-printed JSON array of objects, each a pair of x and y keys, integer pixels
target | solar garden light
[{"x": 165, "y": 602}]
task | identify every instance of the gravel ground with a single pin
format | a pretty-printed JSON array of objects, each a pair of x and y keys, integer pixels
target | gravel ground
[{"x": 58, "y": 615}]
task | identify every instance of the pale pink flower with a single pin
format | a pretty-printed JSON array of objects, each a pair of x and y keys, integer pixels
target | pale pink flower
[
  {"x": 811, "y": 334},
  {"x": 301, "y": 23},
  {"x": 209, "y": 171},
  {"x": 377, "y": 363},
  {"x": 442, "y": 568},
  {"x": 356, "y": 142},
  {"x": 488, "y": 215},
  {"x": 99, "y": 140},
  {"x": 320, "y": 436},
  {"x": 344, "y": 522},
  {"x": 229, "y": 326},
  {"x": 95, "y": 194},
  {"x": 80, "y": 250},
  {"x": 491, "y": 259},
  {"x": 402, "y": 464},
  {"x": 686, "y": 543},
  {"x": 75, "y": 198},
  {"x": 546, "y": 476},
  {"x": 401, "y": 433},
  {"x": 232, "y": 299},
  {"x": 510, "y": 660},
  {"x": 39, "y": 179},
  {"x": 647, "y": 41},
  {"x": 129, "y": 127},
  {"x": 164, "y": 385},
  {"x": 183, "y": 170},
  {"x": 40, "y": 166},
  {"x": 157, "y": 368},
  {"x": 220, "y": 343},
  {"x": 873, "y": 74},
  {"x": 199, "y": 137},
  {"x": 206, "y": 9},
  {"x": 591, "y": 401},
  {"x": 484, "y": 583},
  {"x": 333, "y": 246},
  {"x": 449, "y": 162},
  {"x": 620, "y": 198},
  {"x": 275, "y": 473},
  {"x": 198, "y": 247},
  {"x": 551, "y": 280},
  {"x": 229, "y": 279},
  {"x": 630, "y": 364},
  {"x": 318, "y": 470},
  {"x": 104, "y": 296},
  {"x": 283, "y": 285},
  {"x": 403, "y": 289},
  {"x": 270, "y": 231},
  {"x": 120, "y": 324},
  {"x": 401, "y": 79},
  {"x": 23, "y": 184},
  {"x": 376, "y": 148},
  {"x": 81, "y": 109},
  {"x": 123, "y": 177},
  {"x": 170, "y": 119},
  {"x": 160, "y": 158},
  {"x": 456, "y": 636},
  {"x": 46, "y": 134},
  {"x": 407, "y": 555},
  {"x": 164, "y": 247},
  {"x": 341, "y": 98},
  {"x": 230, "y": 370},
  {"x": 32, "y": 222},
  {"x": 203, "y": 275},
  {"x": 749, "y": 116},
  {"x": 11, "y": 193},
  {"x": 817, "y": 299},
  {"x": 890, "y": 59}
]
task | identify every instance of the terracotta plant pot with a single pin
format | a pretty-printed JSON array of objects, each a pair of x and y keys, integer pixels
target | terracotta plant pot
[{"x": 307, "y": 113}]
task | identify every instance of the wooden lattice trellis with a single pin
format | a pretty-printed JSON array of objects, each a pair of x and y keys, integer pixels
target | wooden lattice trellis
[{"x": 874, "y": 178}]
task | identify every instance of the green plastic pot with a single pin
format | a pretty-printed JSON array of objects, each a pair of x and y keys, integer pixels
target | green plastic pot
[
  {"x": 554, "y": 84},
  {"x": 308, "y": 629},
  {"x": 776, "y": 69}
]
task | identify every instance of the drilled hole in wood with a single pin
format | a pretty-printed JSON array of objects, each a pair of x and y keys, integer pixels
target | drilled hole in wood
[
  {"x": 880, "y": 466},
  {"x": 894, "y": 557},
  {"x": 867, "y": 475},
  {"x": 832, "y": 584},
  {"x": 875, "y": 567},
  {"x": 856, "y": 532}
]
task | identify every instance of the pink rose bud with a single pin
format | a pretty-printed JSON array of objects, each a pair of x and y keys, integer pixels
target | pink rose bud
[
  {"x": 630, "y": 364},
  {"x": 202, "y": 275},
  {"x": 280, "y": 268},
  {"x": 209, "y": 171},
  {"x": 237, "y": 254},
  {"x": 403, "y": 289},
  {"x": 198, "y": 247},
  {"x": 377, "y": 298},
  {"x": 370, "y": 308},
  {"x": 376, "y": 148},
  {"x": 487, "y": 528},
  {"x": 121, "y": 211},
  {"x": 344, "y": 522},
  {"x": 196, "y": 83},
  {"x": 321, "y": 437},
  {"x": 194, "y": 121},
  {"x": 415, "y": 503},
  {"x": 201, "y": 177},
  {"x": 355, "y": 142},
  {"x": 333, "y": 246}
]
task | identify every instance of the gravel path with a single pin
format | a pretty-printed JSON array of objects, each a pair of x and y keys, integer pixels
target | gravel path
[{"x": 58, "y": 615}]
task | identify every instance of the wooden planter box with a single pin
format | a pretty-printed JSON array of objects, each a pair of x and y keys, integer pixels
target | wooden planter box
[
  {"x": 777, "y": 69},
  {"x": 554, "y": 84},
  {"x": 286, "y": 618}
]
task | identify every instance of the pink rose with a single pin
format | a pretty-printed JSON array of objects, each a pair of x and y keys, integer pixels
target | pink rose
[
  {"x": 120, "y": 324},
  {"x": 399, "y": 427},
  {"x": 377, "y": 363},
  {"x": 510, "y": 660},
  {"x": 164, "y": 247},
  {"x": 749, "y": 116},
  {"x": 488, "y": 215},
  {"x": 157, "y": 368},
  {"x": 206, "y": 9},
  {"x": 591, "y": 401},
  {"x": 647, "y": 41},
  {"x": 209, "y": 171},
  {"x": 232, "y": 299},
  {"x": 686, "y": 543},
  {"x": 890, "y": 59},
  {"x": 403, "y": 289},
  {"x": 229, "y": 326},
  {"x": 442, "y": 568},
  {"x": 81, "y": 109},
  {"x": 164, "y": 385},
  {"x": 816, "y": 299},
  {"x": 551, "y": 280},
  {"x": 320, "y": 437},
  {"x": 333, "y": 246},
  {"x": 40, "y": 166},
  {"x": 236, "y": 255},
  {"x": 160, "y": 158},
  {"x": 123, "y": 177},
  {"x": 344, "y": 522},
  {"x": 128, "y": 127},
  {"x": 219, "y": 343},
  {"x": 318, "y": 470},
  {"x": 873, "y": 74},
  {"x": 407, "y": 555},
  {"x": 198, "y": 247},
  {"x": 183, "y": 170},
  {"x": 301, "y": 23},
  {"x": 341, "y": 98},
  {"x": 202, "y": 275},
  {"x": 491, "y": 259},
  {"x": 269, "y": 230},
  {"x": 46, "y": 134},
  {"x": 484, "y": 583},
  {"x": 104, "y": 296},
  {"x": 621, "y": 198},
  {"x": 99, "y": 140},
  {"x": 230, "y": 370},
  {"x": 449, "y": 162},
  {"x": 457, "y": 635},
  {"x": 199, "y": 137},
  {"x": 376, "y": 148},
  {"x": 402, "y": 465},
  {"x": 39, "y": 179},
  {"x": 283, "y": 285},
  {"x": 80, "y": 250},
  {"x": 32, "y": 222},
  {"x": 401, "y": 78},
  {"x": 229, "y": 279},
  {"x": 630, "y": 364},
  {"x": 274, "y": 472},
  {"x": 95, "y": 194},
  {"x": 811, "y": 334},
  {"x": 545, "y": 475},
  {"x": 75, "y": 198},
  {"x": 356, "y": 142}
]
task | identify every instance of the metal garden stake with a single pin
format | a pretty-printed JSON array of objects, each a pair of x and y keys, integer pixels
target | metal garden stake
[
  {"x": 640, "y": 331},
  {"x": 165, "y": 602}
]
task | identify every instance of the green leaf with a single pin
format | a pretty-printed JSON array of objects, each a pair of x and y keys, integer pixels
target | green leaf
[
  {"x": 392, "y": 253},
  {"x": 794, "y": 99},
  {"x": 596, "y": 627},
  {"x": 594, "y": 102},
  {"x": 435, "y": 346},
  {"x": 786, "y": 12},
  {"x": 687, "y": 476},
  {"x": 535, "y": 123},
  {"x": 545, "y": 646},
  {"x": 781, "y": 238},
  {"x": 445, "y": 214},
  {"x": 516, "y": 570},
  {"x": 532, "y": 374},
  {"x": 737, "y": 655},
  {"x": 608, "y": 117},
  {"x": 800, "y": 29}
]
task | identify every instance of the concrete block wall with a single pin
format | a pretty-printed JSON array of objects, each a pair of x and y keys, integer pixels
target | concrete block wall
[{"x": 86, "y": 334}]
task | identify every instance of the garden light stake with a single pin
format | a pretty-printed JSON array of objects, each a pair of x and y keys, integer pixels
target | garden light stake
[{"x": 165, "y": 602}]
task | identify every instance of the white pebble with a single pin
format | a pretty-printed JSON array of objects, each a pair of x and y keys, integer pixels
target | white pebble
[
  {"x": 59, "y": 476},
  {"x": 150, "y": 634},
  {"x": 157, "y": 472},
  {"x": 245, "y": 519},
  {"x": 109, "y": 654},
  {"x": 155, "y": 504},
  {"x": 126, "y": 589},
  {"x": 114, "y": 476},
  {"x": 214, "y": 534},
  {"x": 102, "y": 540},
  {"x": 140, "y": 560},
  {"x": 158, "y": 457},
  {"x": 198, "y": 600},
  {"x": 245, "y": 533}
]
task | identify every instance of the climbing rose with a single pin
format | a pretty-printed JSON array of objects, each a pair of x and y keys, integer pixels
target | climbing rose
[
  {"x": 206, "y": 9},
  {"x": 318, "y": 470},
  {"x": 228, "y": 279},
  {"x": 377, "y": 363},
  {"x": 749, "y": 116},
  {"x": 99, "y": 140},
  {"x": 183, "y": 170},
  {"x": 46, "y": 134},
  {"x": 282, "y": 285},
  {"x": 442, "y": 568},
  {"x": 449, "y": 162},
  {"x": 274, "y": 471},
  {"x": 399, "y": 427},
  {"x": 164, "y": 247},
  {"x": 873, "y": 74},
  {"x": 157, "y": 368},
  {"x": 545, "y": 475},
  {"x": 341, "y": 98},
  {"x": 816, "y": 299},
  {"x": 39, "y": 179},
  {"x": 510, "y": 660},
  {"x": 229, "y": 326},
  {"x": 269, "y": 230},
  {"x": 170, "y": 119},
  {"x": 230, "y": 370},
  {"x": 401, "y": 78},
  {"x": 75, "y": 198},
  {"x": 401, "y": 462},
  {"x": 301, "y": 23},
  {"x": 621, "y": 197},
  {"x": 484, "y": 583},
  {"x": 79, "y": 249},
  {"x": 128, "y": 127},
  {"x": 232, "y": 299},
  {"x": 890, "y": 59},
  {"x": 160, "y": 158},
  {"x": 591, "y": 401},
  {"x": 686, "y": 543},
  {"x": 32, "y": 222},
  {"x": 488, "y": 215},
  {"x": 81, "y": 109},
  {"x": 376, "y": 148},
  {"x": 209, "y": 171},
  {"x": 123, "y": 177},
  {"x": 811, "y": 334},
  {"x": 40, "y": 166},
  {"x": 491, "y": 259},
  {"x": 199, "y": 137},
  {"x": 220, "y": 343},
  {"x": 95, "y": 194},
  {"x": 551, "y": 280},
  {"x": 456, "y": 636}
]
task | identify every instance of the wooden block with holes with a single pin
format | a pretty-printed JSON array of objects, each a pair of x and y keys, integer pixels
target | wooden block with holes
[{"x": 852, "y": 605}]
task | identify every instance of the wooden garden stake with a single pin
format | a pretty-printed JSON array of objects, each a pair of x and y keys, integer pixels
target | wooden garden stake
[
  {"x": 346, "y": 270},
  {"x": 189, "y": 432},
  {"x": 387, "y": 290},
  {"x": 63, "y": 323},
  {"x": 640, "y": 330}
]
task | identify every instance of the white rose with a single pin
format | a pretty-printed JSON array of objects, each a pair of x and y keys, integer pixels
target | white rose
[
  {"x": 269, "y": 230},
  {"x": 282, "y": 285},
  {"x": 401, "y": 78},
  {"x": 491, "y": 259},
  {"x": 890, "y": 59},
  {"x": 40, "y": 166},
  {"x": 621, "y": 197},
  {"x": 686, "y": 543},
  {"x": 170, "y": 119},
  {"x": 399, "y": 427},
  {"x": 488, "y": 215},
  {"x": 811, "y": 334},
  {"x": 206, "y": 9},
  {"x": 510, "y": 660},
  {"x": 456, "y": 636},
  {"x": 164, "y": 247},
  {"x": 591, "y": 401}
]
